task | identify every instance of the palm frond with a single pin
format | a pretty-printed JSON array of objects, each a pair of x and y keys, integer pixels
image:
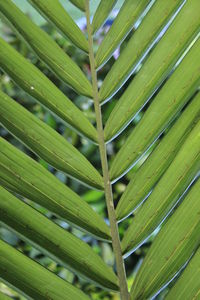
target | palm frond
[{"x": 161, "y": 50}]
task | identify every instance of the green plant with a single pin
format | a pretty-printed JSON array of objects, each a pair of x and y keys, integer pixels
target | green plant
[{"x": 167, "y": 172}]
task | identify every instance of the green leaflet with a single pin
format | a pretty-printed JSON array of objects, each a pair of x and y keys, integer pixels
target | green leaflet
[
  {"x": 26, "y": 177},
  {"x": 33, "y": 280},
  {"x": 169, "y": 101},
  {"x": 55, "y": 13},
  {"x": 166, "y": 193},
  {"x": 56, "y": 242},
  {"x": 157, "y": 66},
  {"x": 79, "y": 3},
  {"x": 36, "y": 84},
  {"x": 187, "y": 286},
  {"x": 171, "y": 249},
  {"x": 46, "y": 49},
  {"x": 46, "y": 142},
  {"x": 136, "y": 46},
  {"x": 102, "y": 13},
  {"x": 4, "y": 297},
  {"x": 157, "y": 163},
  {"x": 123, "y": 23}
]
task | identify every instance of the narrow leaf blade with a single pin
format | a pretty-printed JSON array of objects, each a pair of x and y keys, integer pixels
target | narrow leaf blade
[
  {"x": 187, "y": 286},
  {"x": 55, "y": 13},
  {"x": 33, "y": 280},
  {"x": 157, "y": 163},
  {"x": 123, "y": 23},
  {"x": 136, "y": 46},
  {"x": 46, "y": 48},
  {"x": 155, "y": 69},
  {"x": 79, "y": 3},
  {"x": 48, "y": 237},
  {"x": 175, "y": 243},
  {"x": 169, "y": 101},
  {"x": 102, "y": 13},
  {"x": 36, "y": 84},
  {"x": 23, "y": 175},
  {"x": 46, "y": 142},
  {"x": 4, "y": 297},
  {"x": 167, "y": 192}
]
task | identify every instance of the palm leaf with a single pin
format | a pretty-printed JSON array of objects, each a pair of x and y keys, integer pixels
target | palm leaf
[
  {"x": 28, "y": 77},
  {"x": 46, "y": 49},
  {"x": 176, "y": 242},
  {"x": 155, "y": 69},
  {"x": 171, "y": 99},
  {"x": 57, "y": 243},
  {"x": 167, "y": 192},
  {"x": 163, "y": 53},
  {"x": 102, "y": 13},
  {"x": 4, "y": 297},
  {"x": 137, "y": 45},
  {"x": 26, "y": 177},
  {"x": 79, "y": 3},
  {"x": 157, "y": 163},
  {"x": 123, "y": 23},
  {"x": 46, "y": 142},
  {"x": 54, "y": 12},
  {"x": 187, "y": 286},
  {"x": 33, "y": 280}
]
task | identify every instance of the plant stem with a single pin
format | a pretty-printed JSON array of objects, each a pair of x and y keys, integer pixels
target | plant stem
[{"x": 107, "y": 184}]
